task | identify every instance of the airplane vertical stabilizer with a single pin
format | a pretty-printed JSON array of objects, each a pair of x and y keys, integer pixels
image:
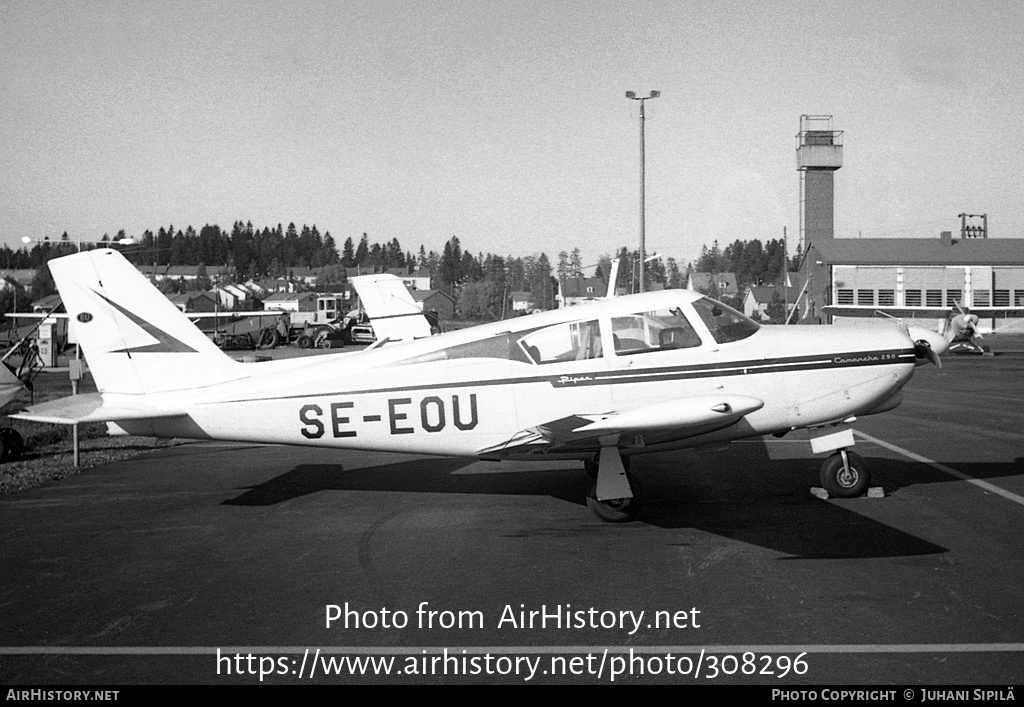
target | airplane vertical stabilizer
[
  {"x": 134, "y": 339},
  {"x": 393, "y": 312}
]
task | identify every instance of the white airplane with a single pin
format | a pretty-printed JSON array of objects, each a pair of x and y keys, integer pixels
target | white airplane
[{"x": 600, "y": 382}]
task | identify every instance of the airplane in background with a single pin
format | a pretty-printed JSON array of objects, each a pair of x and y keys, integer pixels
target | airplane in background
[
  {"x": 393, "y": 313},
  {"x": 601, "y": 382}
]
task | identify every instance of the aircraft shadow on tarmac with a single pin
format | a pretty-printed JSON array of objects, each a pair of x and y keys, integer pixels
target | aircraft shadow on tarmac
[{"x": 737, "y": 494}]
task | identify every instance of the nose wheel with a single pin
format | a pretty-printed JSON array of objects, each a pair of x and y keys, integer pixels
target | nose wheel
[{"x": 845, "y": 475}]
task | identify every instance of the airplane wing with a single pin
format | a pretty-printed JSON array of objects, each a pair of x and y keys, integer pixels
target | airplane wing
[
  {"x": 91, "y": 407},
  {"x": 393, "y": 312},
  {"x": 673, "y": 419}
]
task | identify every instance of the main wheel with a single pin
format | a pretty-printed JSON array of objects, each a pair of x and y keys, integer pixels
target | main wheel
[
  {"x": 303, "y": 342},
  {"x": 615, "y": 510},
  {"x": 843, "y": 483}
]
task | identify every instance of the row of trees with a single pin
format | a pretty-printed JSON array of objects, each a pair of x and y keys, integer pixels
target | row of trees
[
  {"x": 481, "y": 284},
  {"x": 753, "y": 263}
]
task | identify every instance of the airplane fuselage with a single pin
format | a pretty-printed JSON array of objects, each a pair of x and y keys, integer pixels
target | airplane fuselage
[{"x": 473, "y": 390}]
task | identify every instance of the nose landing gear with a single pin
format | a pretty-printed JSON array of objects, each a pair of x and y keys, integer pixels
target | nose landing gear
[{"x": 845, "y": 475}]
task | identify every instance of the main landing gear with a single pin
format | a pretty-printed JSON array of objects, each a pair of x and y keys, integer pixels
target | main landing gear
[
  {"x": 845, "y": 475},
  {"x": 613, "y": 496}
]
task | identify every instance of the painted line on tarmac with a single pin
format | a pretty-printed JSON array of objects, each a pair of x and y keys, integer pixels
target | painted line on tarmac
[
  {"x": 812, "y": 648},
  {"x": 942, "y": 467}
]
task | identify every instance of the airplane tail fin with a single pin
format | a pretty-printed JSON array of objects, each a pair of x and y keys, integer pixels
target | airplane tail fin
[
  {"x": 393, "y": 312},
  {"x": 133, "y": 338}
]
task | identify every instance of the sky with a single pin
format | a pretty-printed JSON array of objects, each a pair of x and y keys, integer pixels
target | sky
[{"x": 505, "y": 123}]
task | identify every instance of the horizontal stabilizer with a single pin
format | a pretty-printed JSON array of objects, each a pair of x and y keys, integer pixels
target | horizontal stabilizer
[
  {"x": 673, "y": 414},
  {"x": 10, "y": 385},
  {"x": 91, "y": 407}
]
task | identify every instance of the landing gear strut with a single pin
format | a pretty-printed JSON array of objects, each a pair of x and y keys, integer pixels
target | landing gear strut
[
  {"x": 845, "y": 475},
  {"x": 613, "y": 495}
]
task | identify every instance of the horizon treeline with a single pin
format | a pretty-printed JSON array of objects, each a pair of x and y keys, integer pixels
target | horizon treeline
[{"x": 482, "y": 284}]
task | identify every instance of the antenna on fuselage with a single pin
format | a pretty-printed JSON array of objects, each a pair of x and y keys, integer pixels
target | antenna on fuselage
[{"x": 613, "y": 275}]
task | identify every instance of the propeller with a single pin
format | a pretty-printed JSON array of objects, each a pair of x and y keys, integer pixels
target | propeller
[
  {"x": 928, "y": 344},
  {"x": 923, "y": 349}
]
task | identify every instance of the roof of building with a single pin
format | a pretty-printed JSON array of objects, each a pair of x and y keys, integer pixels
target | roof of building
[
  {"x": 289, "y": 296},
  {"x": 185, "y": 297},
  {"x": 921, "y": 251},
  {"x": 423, "y": 295},
  {"x": 762, "y": 294},
  {"x": 24, "y": 276},
  {"x": 584, "y": 287},
  {"x": 48, "y": 302}
]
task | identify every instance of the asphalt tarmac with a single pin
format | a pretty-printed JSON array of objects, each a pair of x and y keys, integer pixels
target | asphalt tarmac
[{"x": 139, "y": 572}]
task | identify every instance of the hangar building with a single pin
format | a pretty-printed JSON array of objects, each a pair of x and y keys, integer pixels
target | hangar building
[{"x": 910, "y": 277}]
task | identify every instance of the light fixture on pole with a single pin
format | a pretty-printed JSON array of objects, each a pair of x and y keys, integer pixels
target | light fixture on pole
[
  {"x": 636, "y": 261},
  {"x": 631, "y": 95}
]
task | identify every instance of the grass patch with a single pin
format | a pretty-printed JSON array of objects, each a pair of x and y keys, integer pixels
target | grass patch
[{"x": 49, "y": 454}]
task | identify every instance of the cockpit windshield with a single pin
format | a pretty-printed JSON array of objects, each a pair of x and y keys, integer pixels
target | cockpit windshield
[{"x": 724, "y": 323}]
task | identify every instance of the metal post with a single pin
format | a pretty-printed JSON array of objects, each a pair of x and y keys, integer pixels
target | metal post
[{"x": 643, "y": 220}]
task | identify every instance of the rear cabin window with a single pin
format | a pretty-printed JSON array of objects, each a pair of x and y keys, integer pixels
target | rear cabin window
[
  {"x": 659, "y": 330},
  {"x": 500, "y": 346},
  {"x": 724, "y": 323},
  {"x": 572, "y": 341}
]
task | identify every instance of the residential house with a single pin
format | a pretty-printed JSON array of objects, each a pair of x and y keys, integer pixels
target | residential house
[
  {"x": 435, "y": 301},
  {"x": 577, "y": 290},
  {"x": 758, "y": 298},
  {"x": 720, "y": 285},
  {"x": 195, "y": 301},
  {"x": 291, "y": 301}
]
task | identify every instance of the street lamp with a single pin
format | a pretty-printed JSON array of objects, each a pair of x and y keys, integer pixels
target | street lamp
[{"x": 631, "y": 95}]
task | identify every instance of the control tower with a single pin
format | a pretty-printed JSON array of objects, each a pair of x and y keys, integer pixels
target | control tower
[{"x": 819, "y": 153}]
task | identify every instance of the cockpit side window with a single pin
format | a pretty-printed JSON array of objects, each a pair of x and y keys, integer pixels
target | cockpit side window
[
  {"x": 724, "y": 323},
  {"x": 658, "y": 330},
  {"x": 572, "y": 341}
]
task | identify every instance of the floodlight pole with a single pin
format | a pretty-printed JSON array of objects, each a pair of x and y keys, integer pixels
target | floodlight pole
[{"x": 643, "y": 220}]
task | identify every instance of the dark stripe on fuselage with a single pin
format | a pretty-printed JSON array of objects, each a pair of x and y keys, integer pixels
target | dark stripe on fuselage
[{"x": 668, "y": 373}]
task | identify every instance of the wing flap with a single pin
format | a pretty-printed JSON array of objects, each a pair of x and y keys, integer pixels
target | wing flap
[{"x": 91, "y": 407}]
